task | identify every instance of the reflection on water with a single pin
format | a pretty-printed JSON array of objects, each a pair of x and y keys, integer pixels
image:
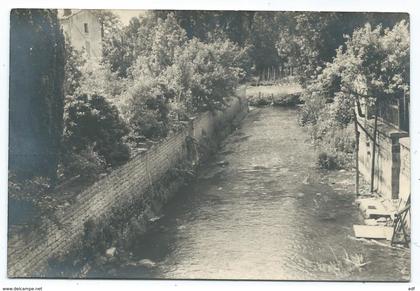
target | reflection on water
[{"x": 265, "y": 212}]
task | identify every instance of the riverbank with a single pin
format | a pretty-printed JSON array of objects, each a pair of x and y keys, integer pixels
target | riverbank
[
  {"x": 276, "y": 94},
  {"x": 101, "y": 216},
  {"x": 106, "y": 245}
]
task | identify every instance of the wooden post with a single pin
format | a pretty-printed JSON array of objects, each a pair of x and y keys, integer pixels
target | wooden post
[
  {"x": 356, "y": 130},
  {"x": 375, "y": 132}
]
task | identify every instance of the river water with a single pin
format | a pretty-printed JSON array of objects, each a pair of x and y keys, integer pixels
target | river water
[{"x": 264, "y": 212}]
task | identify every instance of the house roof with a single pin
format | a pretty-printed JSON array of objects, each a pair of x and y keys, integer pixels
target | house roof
[{"x": 73, "y": 13}]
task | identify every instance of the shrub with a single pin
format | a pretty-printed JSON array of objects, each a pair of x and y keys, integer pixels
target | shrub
[
  {"x": 145, "y": 107},
  {"x": 86, "y": 163},
  {"x": 92, "y": 124},
  {"x": 149, "y": 124},
  {"x": 98, "y": 79},
  {"x": 204, "y": 74},
  {"x": 327, "y": 161}
]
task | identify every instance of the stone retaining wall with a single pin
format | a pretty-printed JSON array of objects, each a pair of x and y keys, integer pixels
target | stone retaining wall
[
  {"x": 388, "y": 162},
  {"x": 405, "y": 172},
  {"x": 28, "y": 256}
]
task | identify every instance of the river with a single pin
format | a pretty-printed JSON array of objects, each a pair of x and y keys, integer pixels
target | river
[{"x": 265, "y": 212}]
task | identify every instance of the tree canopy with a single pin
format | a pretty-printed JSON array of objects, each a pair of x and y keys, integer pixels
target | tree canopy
[{"x": 36, "y": 91}]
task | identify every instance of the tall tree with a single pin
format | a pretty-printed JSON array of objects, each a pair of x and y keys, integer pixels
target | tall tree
[
  {"x": 36, "y": 91},
  {"x": 74, "y": 61}
]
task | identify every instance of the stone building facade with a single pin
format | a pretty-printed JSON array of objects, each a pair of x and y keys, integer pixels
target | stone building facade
[{"x": 84, "y": 31}]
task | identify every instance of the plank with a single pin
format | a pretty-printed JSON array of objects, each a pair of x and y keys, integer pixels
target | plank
[{"x": 373, "y": 231}]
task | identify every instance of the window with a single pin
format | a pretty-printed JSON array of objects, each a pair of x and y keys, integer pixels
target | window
[{"x": 86, "y": 27}]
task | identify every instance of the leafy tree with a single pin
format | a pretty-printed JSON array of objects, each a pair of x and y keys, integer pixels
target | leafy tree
[
  {"x": 309, "y": 39},
  {"x": 36, "y": 91},
  {"x": 99, "y": 79},
  {"x": 145, "y": 109},
  {"x": 203, "y": 75},
  {"x": 372, "y": 66},
  {"x": 376, "y": 63},
  {"x": 205, "y": 25},
  {"x": 114, "y": 49},
  {"x": 265, "y": 31},
  {"x": 92, "y": 124},
  {"x": 168, "y": 36},
  {"x": 72, "y": 69}
]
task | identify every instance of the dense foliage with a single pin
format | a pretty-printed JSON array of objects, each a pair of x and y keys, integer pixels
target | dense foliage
[
  {"x": 36, "y": 92},
  {"x": 74, "y": 62},
  {"x": 372, "y": 67},
  {"x": 93, "y": 133},
  {"x": 203, "y": 75},
  {"x": 303, "y": 41},
  {"x": 154, "y": 76}
]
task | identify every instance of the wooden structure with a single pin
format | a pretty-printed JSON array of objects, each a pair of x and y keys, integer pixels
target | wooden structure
[{"x": 401, "y": 233}]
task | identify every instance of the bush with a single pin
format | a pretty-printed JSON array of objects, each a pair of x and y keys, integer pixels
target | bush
[
  {"x": 93, "y": 127},
  {"x": 86, "y": 163},
  {"x": 310, "y": 112},
  {"x": 327, "y": 161},
  {"x": 203, "y": 75},
  {"x": 145, "y": 107},
  {"x": 149, "y": 124}
]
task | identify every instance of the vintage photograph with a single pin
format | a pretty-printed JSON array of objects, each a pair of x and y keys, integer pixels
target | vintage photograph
[{"x": 219, "y": 145}]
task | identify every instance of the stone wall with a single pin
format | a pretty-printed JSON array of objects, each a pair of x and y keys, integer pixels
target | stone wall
[
  {"x": 28, "y": 256},
  {"x": 84, "y": 31},
  {"x": 405, "y": 172},
  {"x": 387, "y": 158}
]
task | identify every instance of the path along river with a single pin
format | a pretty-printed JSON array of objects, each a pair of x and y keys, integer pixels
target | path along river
[{"x": 267, "y": 214}]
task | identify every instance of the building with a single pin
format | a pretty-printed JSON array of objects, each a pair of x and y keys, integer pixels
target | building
[
  {"x": 392, "y": 153},
  {"x": 84, "y": 31}
]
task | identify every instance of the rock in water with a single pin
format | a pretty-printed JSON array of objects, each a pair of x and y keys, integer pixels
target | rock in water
[
  {"x": 156, "y": 218},
  {"x": 146, "y": 263},
  {"x": 110, "y": 252},
  {"x": 222, "y": 163}
]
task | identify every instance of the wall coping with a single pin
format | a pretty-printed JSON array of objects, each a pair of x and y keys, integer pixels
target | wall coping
[
  {"x": 387, "y": 130},
  {"x": 405, "y": 142}
]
